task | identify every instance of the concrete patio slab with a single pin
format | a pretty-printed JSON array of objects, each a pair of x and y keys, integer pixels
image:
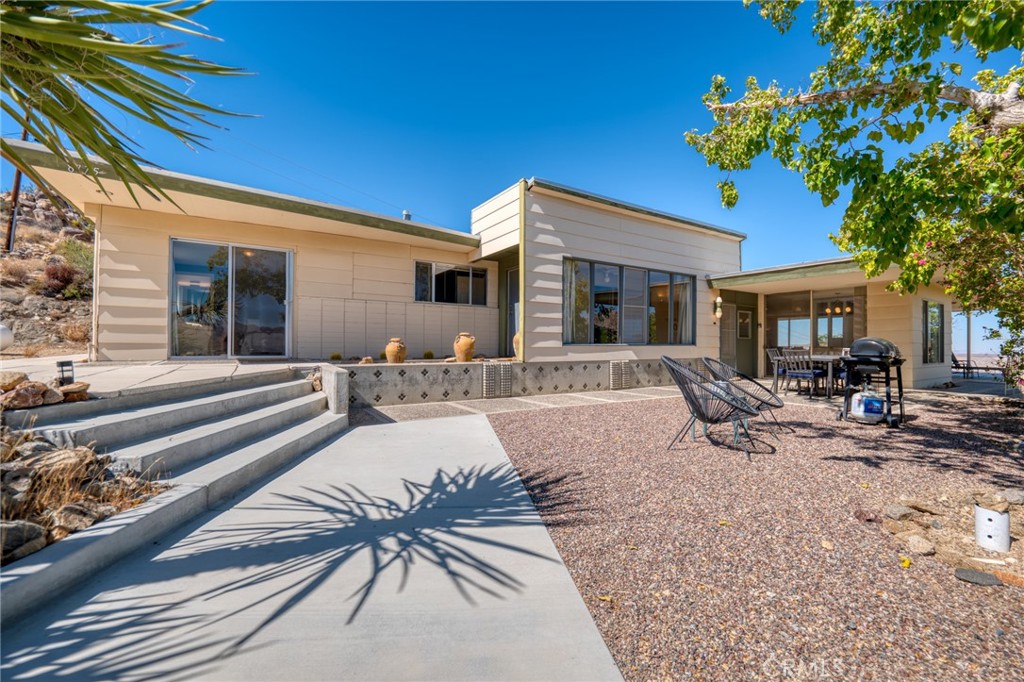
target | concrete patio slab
[{"x": 401, "y": 551}]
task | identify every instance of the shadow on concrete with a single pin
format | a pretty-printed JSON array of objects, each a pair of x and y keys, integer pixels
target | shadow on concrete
[{"x": 249, "y": 575}]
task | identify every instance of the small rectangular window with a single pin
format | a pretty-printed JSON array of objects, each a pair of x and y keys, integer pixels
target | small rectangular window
[
  {"x": 682, "y": 318},
  {"x": 576, "y": 299},
  {"x": 658, "y": 310},
  {"x": 606, "y": 303},
  {"x": 442, "y": 283},
  {"x": 634, "y": 305},
  {"x": 423, "y": 278},
  {"x": 934, "y": 332}
]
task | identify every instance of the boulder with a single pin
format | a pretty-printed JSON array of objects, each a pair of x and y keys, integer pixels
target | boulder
[
  {"x": 75, "y": 397},
  {"x": 34, "y": 447},
  {"x": 58, "y": 461},
  {"x": 52, "y": 396},
  {"x": 27, "y": 394},
  {"x": 9, "y": 380},
  {"x": 898, "y": 512},
  {"x": 919, "y": 545},
  {"x": 21, "y": 538},
  {"x": 969, "y": 575},
  {"x": 76, "y": 516},
  {"x": 1013, "y": 495},
  {"x": 992, "y": 502},
  {"x": 74, "y": 387}
]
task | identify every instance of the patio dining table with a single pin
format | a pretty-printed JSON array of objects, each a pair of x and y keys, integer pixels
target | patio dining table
[{"x": 830, "y": 362}]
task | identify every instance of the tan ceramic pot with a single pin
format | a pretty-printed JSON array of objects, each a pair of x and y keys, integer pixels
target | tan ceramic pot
[
  {"x": 516, "y": 340},
  {"x": 464, "y": 345},
  {"x": 395, "y": 351}
]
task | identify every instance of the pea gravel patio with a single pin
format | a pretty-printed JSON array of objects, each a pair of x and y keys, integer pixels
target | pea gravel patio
[{"x": 711, "y": 562}]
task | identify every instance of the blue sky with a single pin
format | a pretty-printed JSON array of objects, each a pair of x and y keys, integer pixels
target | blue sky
[{"x": 435, "y": 107}]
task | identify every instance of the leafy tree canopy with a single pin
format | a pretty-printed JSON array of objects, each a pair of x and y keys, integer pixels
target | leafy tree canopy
[
  {"x": 954, "y": 209},
  {"x": 58, "y": 58}
]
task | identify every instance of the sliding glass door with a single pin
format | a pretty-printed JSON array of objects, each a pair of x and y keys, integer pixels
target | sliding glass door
[{"x": 229, "y": 301}]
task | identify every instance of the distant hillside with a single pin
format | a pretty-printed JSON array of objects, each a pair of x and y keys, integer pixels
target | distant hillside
[{"x": 46, "y": 280}]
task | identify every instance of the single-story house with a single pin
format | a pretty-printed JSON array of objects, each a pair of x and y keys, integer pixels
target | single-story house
[{"x": 238, "y": 272}]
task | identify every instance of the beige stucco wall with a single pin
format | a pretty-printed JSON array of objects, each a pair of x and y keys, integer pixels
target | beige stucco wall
[
  {"x": 556, "y": 228},
  {"x": 349, "y": 295},
  {"x": 900, "y": 319}
]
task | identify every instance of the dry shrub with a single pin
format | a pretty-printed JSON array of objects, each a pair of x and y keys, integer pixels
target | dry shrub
[
  {"x": 33, "y": 350},
  {"x": 76, "y": 332},
  {"x": 58, "y": 276},
  {"x": 79, "y": 478},
  {"x": 14, "y": 271},
  {"x": 31, "y": 234}
]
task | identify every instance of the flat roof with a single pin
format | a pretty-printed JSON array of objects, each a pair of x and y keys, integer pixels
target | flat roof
[
  {"x": 39, "y": 156},
  {"x": 633, "y": 208}
]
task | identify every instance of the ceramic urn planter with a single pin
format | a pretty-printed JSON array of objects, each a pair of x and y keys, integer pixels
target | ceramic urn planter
[
  {"x": 464, "y": 345},
  {"x": 515, "y": 344},
  {"x": 395, "y": 351}
]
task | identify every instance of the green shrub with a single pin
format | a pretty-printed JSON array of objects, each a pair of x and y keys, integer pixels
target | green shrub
[
  {"x": 335, "y": 357},
  {"x": 428, "y": 355},
  {"x": 79, "y": 256},
  {"x": 383, "y": 355}
]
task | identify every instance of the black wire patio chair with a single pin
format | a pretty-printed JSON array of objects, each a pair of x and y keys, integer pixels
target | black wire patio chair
[
  {"x": 710, "y": 402},
  {"x": 757, "y": 395}
]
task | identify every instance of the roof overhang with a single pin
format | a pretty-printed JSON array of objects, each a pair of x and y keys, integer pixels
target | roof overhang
[
  {"x": 835, "y": 273},
  {"x": 206, "y": 198},
  {"x": 571, "y": 193}
]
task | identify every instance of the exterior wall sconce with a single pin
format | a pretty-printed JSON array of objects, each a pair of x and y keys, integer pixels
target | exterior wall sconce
[
  {"x": 849, "y": 308},
  {"x": 66, "y": 372},
  {"x": 718, "y": 307}
]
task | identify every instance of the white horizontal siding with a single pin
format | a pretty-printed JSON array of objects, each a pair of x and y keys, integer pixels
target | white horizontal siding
[
  {"x": 350, "y": 295},
  {"x": 557, "y": 228},
  {"x": 496, "y": 222}
]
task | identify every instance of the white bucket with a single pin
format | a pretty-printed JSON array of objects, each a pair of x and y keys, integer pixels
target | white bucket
[{"x": 992, "y": 529}]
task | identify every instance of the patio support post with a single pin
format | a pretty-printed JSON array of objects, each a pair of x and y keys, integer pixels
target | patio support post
[{"x": 967, "y": 372}]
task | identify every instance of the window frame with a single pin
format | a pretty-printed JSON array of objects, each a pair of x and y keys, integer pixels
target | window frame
[
  {"x": 472, "y": 270},
  {"x": 691, "y": 304},
  {"x": 926, "y": 346}
]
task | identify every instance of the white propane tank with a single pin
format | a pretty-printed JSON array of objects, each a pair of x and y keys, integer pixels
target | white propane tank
[{"x": 867, "y": 406}]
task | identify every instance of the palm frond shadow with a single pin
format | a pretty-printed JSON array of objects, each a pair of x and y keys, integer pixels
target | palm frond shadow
[{"x": 275, "y": 565}]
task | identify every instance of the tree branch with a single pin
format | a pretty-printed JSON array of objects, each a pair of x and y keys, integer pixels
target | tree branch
[{"x": 1001, "y": 111}]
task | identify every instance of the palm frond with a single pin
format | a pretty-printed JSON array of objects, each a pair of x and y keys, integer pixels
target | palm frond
[{"x": 59, "y": 57}]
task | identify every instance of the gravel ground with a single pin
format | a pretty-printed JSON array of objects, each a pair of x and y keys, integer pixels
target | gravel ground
[{"x": 707, "y": 561}]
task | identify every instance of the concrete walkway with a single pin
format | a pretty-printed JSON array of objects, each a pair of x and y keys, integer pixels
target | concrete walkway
[{"x": 397, "y": 552}]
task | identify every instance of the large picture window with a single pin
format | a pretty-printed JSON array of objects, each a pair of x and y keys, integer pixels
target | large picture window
[
  {"x": 442, "y": 283},
  {"x": 934, "y": 332},
  {"x": 604, "y": 303}
]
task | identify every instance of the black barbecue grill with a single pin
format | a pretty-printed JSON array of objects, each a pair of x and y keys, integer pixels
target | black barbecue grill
[{"x": 868, "y": 359}]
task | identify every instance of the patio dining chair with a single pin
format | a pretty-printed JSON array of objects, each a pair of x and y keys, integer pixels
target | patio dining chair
[
  {"x": 778, "y": 369},
  {"x": 756, "y": 394},
  {"x": 800, "y": 367},
  {"x": 710, "y": 402}
]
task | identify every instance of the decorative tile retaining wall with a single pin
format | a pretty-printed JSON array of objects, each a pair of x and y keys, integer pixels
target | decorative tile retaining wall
[{"x": 414, "y": 383}]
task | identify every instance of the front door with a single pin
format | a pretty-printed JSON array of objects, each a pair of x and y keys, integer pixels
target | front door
[
  {"x": 738, "y": 337},
  {"x": 746, "y": 340},
  {"x": 727, "y": 343},
  {"x": 229, "y": 301},
  {"x": 511, "y": 309}
]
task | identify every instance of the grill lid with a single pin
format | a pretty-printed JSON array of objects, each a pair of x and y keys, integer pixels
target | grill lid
[{"x": 875, "y": 348}]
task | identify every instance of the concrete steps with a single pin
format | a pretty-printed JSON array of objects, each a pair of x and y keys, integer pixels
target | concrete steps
[
  {"x": 141, "y": 396},
  {"x": 116, "y": 427},
  {"x": 225, "y": 474},
  {"x": 178, "y": 449}
]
